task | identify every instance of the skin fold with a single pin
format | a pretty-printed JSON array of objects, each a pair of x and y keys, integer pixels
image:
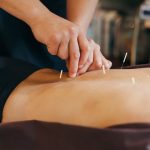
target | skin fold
[{"x": 94, "y": 99}]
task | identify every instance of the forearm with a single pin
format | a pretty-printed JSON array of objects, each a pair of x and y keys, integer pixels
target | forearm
[
  {"x": 81, "y": 11},
  {"x": 25, "y": 10}
]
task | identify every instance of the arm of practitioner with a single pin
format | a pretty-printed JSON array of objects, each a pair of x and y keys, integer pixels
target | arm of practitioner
[
  {"x": 81, "y": 12},
  {"x": 59, "y": 35}
]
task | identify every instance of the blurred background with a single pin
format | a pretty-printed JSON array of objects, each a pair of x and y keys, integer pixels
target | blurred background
[{"x": 121, "y": 26}]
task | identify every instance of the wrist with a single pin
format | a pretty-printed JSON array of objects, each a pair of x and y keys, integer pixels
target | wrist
[{"x": 83, "y": 27}]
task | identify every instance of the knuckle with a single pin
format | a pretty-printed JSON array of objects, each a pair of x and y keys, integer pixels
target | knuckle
[
  {"x": 98, "y": 47},
  {"x": 73, "y": 30},
  {"x": 91, "y": 47},
  {"x": 76, "y": 55},
  {"x": 51, "y": 50},
  {"x": 90, "y": 40},
  {"x": 63, "y": 56},
  {"x": 86, "y": 48},
  {"x": 65, "y": 34},
  {"x": 55, "y": 38}
]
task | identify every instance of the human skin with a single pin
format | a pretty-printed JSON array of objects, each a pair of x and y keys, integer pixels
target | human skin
[
  {"x": 82, "y": 13},
  {"x": 94, "y": 99},
  {"x": 62, "y": 37}
]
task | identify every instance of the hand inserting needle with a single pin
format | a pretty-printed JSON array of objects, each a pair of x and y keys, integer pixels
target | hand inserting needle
[{"x": 125, "y": 57}]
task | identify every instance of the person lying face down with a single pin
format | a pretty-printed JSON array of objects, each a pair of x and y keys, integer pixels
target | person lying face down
[{"x": 94, "y": 99}]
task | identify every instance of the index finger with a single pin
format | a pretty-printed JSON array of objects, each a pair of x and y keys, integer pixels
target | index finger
[{"x": 74, "y": 57}]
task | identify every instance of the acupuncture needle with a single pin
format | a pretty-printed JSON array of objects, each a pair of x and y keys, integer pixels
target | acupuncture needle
[
  {"x": 133, "y": 80},
  {"x": 61, "y": 72},
  {"x": 125, "y": 57},
  {"x": 104, "y": 71}
]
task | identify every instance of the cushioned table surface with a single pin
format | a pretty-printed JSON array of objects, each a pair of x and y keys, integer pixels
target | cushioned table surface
[{"x": 36, "y": 135}]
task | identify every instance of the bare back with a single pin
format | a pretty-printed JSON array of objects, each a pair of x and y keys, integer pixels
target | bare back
[{"x": 94, "y": 99}]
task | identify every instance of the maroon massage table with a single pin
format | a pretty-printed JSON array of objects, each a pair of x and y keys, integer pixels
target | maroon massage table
[{"x": 36, "y": 135}]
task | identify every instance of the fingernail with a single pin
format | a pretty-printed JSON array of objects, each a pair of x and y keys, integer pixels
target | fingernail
[
  {"x": 110, "y": 63},
  {"x": 73, "y": 75}
]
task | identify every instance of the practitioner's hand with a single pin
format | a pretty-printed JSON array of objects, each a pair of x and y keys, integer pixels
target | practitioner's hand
[
  {"x": 95, "y": 59},
  {"x": 64, "y": 39}
]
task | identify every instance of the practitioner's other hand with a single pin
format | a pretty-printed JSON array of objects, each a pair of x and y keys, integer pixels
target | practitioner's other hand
[
  {"x": 95, "y": 60},
  {"x": 64, "y": 39}
]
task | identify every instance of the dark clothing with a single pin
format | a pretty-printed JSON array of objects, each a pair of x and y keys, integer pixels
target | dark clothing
[
  {"x": 17, "y": 40},
  {"x": 12, "y": 72}
]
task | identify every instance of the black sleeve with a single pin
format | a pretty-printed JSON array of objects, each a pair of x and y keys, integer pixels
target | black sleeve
[{"x": 12, "y": 72}]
